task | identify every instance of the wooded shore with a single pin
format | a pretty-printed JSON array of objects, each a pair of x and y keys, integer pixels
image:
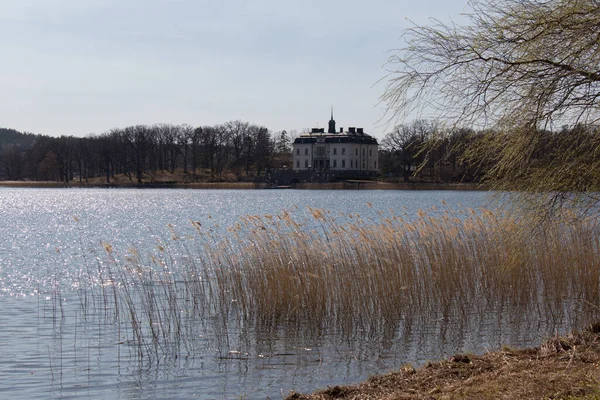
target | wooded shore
[{"x": 350, "y": 184}]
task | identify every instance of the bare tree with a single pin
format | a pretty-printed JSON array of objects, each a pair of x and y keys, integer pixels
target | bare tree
[
  {"x": 139, "y": 143},
  {"x": 519, "y": 67},
  {"x": 283, "y": 143},
  {"x": 185, "y": 140},
  {"x": 518, "y": 62},
  {"x": 196, "y": 141},
  {"x": 216, "y": 145},
  {"x": 238, "y": 133},
  {"x": 264, "y": 149},
  {"x": 11, "y": 162},
  {"x": 283, "y": 149},
  {"x": 406, "y": 143}
]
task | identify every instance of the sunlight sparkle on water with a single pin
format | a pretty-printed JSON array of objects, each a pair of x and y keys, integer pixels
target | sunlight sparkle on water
[{"x": 51, "y": 252}]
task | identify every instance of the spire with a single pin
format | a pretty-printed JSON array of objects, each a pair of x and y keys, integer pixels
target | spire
[{"x": 331, "y": 123}]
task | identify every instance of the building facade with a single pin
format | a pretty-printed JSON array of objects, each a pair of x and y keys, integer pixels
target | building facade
[{"x": 350, "y": 153}]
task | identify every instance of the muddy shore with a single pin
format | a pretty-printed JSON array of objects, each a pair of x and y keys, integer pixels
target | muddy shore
[{"x": 566, "y": 367}]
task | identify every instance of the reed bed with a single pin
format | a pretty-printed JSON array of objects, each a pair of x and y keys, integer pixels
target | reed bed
[
  {"x": 343, "y": 274},
  {"x": 364, "y": 273}
]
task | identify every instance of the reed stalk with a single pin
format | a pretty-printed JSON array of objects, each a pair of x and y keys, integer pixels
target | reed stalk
[{"x": 343, "y": 274}]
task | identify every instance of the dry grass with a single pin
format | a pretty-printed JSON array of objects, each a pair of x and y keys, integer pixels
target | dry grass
[
  {"x": 126, "y": 183},
  {"x": 341, "y": 274},
  {"x": 40, "y": 184},
  {"x": 360, "y": 274},
  {"x": 204, "y": 180}
]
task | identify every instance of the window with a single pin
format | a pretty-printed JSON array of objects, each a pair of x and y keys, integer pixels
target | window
[
  {"x": 334, "y": 163},
  {"x": 305, "y": 163},
  {"x": 343, "y": 150},
  {"x": 343, "y": 163},
  {"x": 363, "y": 164},
  {"x": 363, "y": 152},
  {"x": 351, "y": 164},
  {"x": 297, "y": 163},
  {"x": 297, "y": 152},
  {"x": 334, "y": 151},
  {"x": 370, "y": 152},
  {"x": 356, "y": 151},
  {"x": 375, "y": 164},
  {"x": 306, "y": 151}
]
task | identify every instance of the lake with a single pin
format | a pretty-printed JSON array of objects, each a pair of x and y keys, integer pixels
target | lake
[{"x": 60, "y": 338}]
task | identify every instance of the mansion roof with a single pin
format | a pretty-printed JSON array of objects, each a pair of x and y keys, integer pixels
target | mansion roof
[
  {"x": 337, "y": 138},
  {"x": 352, "y": 135}
]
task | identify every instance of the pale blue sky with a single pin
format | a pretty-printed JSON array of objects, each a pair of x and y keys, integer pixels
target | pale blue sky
[{"x": 75, "y": 67}]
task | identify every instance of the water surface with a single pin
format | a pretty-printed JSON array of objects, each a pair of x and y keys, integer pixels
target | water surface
[{"x": 52, "y": 241}]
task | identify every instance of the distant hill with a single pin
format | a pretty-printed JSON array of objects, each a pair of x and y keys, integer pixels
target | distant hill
[
  {"x": 14, "y": 137},
  {"x": 13, "y": 147}
]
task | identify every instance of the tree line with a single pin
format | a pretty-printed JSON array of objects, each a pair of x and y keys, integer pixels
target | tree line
[
  {"x": 417, "y": 151},
  {"x": 201, "y": 153},
  {"x": 420, "y": 150},
  {"x": 559, "y": 161}
]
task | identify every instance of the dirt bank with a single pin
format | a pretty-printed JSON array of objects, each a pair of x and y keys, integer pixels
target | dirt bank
[{"x": 565, "y": 367}]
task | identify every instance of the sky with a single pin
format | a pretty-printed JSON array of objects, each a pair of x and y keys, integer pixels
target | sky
[{"x": 76, "y": 67}]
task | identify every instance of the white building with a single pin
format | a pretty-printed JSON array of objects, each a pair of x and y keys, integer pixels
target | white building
[{"x": 350, "y": 152}]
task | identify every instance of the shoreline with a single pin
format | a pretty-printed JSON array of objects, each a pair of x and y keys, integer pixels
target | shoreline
[
  {"x": 562, "y": 367},
  {"x": 343, "y": 185}
]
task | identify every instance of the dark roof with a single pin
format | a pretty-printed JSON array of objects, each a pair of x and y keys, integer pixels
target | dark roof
[{"x": 340, "y": 138}]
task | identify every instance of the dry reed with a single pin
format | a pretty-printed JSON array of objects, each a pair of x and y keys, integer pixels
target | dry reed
[
  {"x": 343, "y": 274},
  {"x": 364, "y": 274}
]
